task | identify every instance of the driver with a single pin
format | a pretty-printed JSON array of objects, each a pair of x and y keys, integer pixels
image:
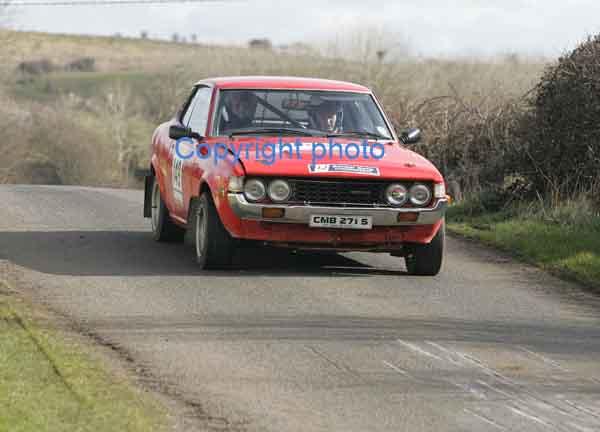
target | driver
[
  {"x": 239, "y": 108},
  {"x": 324, "y": 116}
]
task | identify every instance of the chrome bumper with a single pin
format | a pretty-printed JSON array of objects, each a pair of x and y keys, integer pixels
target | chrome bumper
[{"x": 382, "y": 216}]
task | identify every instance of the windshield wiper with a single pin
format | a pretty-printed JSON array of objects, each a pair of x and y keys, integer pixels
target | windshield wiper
[
  {"x": 358, "y": 133},
  {"x": 272, "y": 130}
]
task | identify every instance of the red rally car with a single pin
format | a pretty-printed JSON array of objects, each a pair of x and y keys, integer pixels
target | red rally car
[{"x": 293, "y": 162}]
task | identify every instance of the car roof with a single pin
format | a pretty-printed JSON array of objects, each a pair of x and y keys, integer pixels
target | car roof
[{"x": 282, "y": 83}]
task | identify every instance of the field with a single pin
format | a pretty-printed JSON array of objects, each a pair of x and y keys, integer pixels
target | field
[{"x": 93, "y": 127}]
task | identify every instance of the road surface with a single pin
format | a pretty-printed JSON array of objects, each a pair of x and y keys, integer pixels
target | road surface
[{"x": 308, "y": 342}]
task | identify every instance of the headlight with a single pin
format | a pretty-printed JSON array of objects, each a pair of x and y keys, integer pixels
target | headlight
[
  {"x": 279, "y": 190},
  {"x": 396, "y": 194},
  {"x": 439, "y": 190},
  {"x": 420, "y": 194},
  {"x": 255, "y": 190},
  {"x": 236, "y": 184}
]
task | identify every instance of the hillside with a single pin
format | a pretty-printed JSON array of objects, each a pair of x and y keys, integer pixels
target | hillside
[{"x": 102, "y": 97}]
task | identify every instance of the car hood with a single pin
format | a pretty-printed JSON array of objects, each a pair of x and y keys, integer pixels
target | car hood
[{"x": 397, "y": 162}]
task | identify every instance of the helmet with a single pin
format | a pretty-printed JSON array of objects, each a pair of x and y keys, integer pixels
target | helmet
[{"x": 324, "y": 114}]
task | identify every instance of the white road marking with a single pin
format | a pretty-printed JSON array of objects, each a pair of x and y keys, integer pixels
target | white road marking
[
  {"x": 514, "y": 396},
  {"x": 544, "y": 359},
  {"x": 419, "y": 350},
  {"x": 530, "y": 417},
  {"x": 469, "y": 389},
  {"x": 447, "y": 351},
  {"x": 502, "y": 392},
  {"x": 531, "y": 401},
  {"x": 581, "y": 428},
  {"x": 582, "y": 408},
  {"x": 487, "y": 369},
  {"x": 396, "y": 368},
  {"x": 464, "y": 387},
  {"x": 553, "y": 363},
  {"x": 485, "y": 419},
  {"x": 525, "y": 403}
]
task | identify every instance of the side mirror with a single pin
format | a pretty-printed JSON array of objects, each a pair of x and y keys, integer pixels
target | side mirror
[
  {"x": 411, "y": 136},
  {"x": 177, "y": 132}
]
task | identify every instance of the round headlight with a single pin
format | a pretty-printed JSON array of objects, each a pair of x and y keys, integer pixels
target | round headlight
[
  {"x": 279, "y": 190},
  {"x": 420, "y": 195},
  {"x": 396, "y": 194},
  {"x": 255, "y": 190}
]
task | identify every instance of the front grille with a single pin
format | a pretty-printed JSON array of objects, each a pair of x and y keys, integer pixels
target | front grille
[{"x": 338, "y": 192}]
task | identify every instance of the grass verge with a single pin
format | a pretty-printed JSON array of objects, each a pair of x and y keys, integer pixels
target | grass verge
[
  {"x": 49, "y": 382},
  {"x": 570, "y": 250}
]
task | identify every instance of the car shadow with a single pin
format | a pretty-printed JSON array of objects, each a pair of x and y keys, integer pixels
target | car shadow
[{"x": 134, "y": 253}]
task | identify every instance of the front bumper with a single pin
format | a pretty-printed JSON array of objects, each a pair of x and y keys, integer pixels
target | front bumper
[{"x": 382, "y": 216}]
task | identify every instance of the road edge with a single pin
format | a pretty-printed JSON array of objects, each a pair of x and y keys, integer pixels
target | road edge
[
  {"x": 561, "y": 274},
  {"x": 179, "y": 415}
]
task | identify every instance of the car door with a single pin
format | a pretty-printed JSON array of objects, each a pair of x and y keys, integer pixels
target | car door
[
  {"x": 196, "y": 118},
  {"x": 173, "y": 197}
]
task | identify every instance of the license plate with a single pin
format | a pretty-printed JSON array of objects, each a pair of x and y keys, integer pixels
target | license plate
[{"x": 339, "y": 221}]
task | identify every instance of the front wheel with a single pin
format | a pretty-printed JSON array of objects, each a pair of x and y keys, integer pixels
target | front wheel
[
  {"x": 427, "y": 259},
  {"x": 214, "y": 246}
]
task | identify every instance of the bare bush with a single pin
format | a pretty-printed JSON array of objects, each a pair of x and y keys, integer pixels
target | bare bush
[
  {"x": 83, "y": 64},
  {"x": 55, "y": 149},
  {"x": 36, "y": 67},
  {"x": 472, "y": 143},
  {"x": 117, "y": 112},
  {"x": 33, "y": 170},
  {"x": 165, "y": 94}
]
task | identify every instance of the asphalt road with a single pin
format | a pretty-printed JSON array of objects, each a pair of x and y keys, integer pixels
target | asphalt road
[{"x": 308, "y": 342}]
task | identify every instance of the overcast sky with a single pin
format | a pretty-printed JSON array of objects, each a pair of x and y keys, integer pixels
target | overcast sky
[{"x": 432, "y": 27}]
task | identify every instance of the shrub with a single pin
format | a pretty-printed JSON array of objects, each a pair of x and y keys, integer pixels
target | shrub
[
  {"x": 36, "y": 67},
  {"x": 84, "y": 64},
  {"x": 33, "y": 170},
  {"x": 562, "y": 131}
]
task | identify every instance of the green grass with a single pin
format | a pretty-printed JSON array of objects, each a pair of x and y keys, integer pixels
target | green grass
[
  {"x": 50, "y": 383},
  {"x": 567, "y": 248}
]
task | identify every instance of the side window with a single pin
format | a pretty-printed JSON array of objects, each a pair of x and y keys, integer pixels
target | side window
[
  {"x": 199, "y": 117},
  {"x": 189, "y": 107}
]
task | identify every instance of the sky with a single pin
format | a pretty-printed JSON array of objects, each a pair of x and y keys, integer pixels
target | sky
[{"x": 430, "y": 27}]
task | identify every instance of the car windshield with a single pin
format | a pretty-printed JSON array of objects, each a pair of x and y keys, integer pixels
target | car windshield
[{"x": 305, "y": 112}]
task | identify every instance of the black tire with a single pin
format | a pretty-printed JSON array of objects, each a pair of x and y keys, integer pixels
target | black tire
[
  {"x": 163, "y": 228},
  {"x": 427, "y": 259},
  {"x": 213, "y": 245}
]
